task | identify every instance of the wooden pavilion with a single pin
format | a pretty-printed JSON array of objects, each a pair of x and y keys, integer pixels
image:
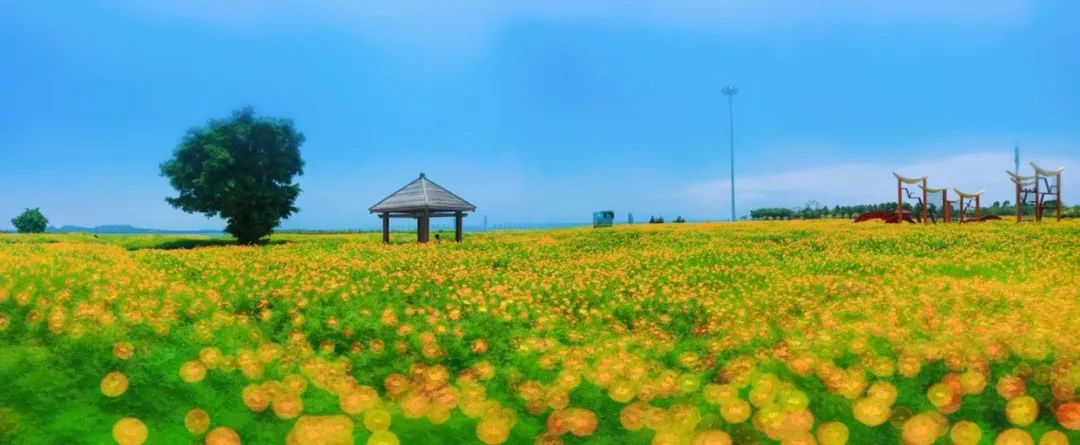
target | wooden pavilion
[{"x": 422, "y": 200}]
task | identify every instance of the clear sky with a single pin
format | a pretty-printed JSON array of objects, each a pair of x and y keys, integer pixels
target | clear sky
[{"x": 538, "y": 111}]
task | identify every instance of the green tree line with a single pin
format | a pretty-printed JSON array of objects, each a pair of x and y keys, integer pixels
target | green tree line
[{"x": 1000, "y": 208}]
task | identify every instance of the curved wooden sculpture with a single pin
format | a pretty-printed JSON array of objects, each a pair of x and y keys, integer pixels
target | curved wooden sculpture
[
  {"x": 1051, "y": 179},
  {"x": 1025, "y": 187},
  {"x": 900, "y": 215},
  {"x": 946, "y": 205},
  {"x": 927, "y": 214},
  {"x": 900, "y": 189},
  {"x": 1044, "y": 187},
  {"x": 972, "y": 198}
]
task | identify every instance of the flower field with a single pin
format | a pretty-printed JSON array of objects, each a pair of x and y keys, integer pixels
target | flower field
[{"x": 771, "y": 332}]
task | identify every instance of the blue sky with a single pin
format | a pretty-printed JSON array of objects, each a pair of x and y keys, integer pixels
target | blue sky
[{"x": 538, "y": 111}]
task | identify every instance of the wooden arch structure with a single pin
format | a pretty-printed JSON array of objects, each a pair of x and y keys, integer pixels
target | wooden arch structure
[
  {"x": 967, "y": 200},
  {"x": 923, "y": 212},
  {"x": 921, "y": 199},
  {"x": 1025, "y": 188},
  {"x": 422, "y": 200},
  {"x": 1040, "y": 186},
  {"x": 904, "y": 191},
  {"x": 946, "y": 205},
  {"x": 1051, "y": 180}
]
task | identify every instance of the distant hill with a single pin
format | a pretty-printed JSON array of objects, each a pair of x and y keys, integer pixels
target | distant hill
[{"x": 123, "y": 229}]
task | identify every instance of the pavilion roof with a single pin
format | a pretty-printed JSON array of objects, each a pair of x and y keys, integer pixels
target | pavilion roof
[{"x": 422, "y": 194}]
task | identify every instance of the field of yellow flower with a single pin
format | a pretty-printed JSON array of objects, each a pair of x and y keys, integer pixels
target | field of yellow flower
[{"x": 771, "y": 332}]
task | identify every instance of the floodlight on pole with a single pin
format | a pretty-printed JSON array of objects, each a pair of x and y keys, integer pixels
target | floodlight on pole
[{"x": 730, "y": 92}]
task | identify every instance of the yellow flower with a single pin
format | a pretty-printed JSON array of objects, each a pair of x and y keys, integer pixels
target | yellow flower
[
  {"x": 197, "y": 421},
  {"x": 114, "y": 384},
  {"x": 129, "y": 431},
  {"x": 222, "y": 435}
]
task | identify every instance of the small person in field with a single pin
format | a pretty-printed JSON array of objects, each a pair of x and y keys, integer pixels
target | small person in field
[{"x": 438, "y": 237}]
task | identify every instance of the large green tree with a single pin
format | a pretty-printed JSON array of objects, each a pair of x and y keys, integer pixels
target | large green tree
[
  {"x": 30, "y": 221},
  {"x": 240, "y": 169}
]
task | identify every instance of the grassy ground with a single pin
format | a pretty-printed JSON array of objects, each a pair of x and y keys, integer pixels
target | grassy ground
[{"x": 752, "y": 332}]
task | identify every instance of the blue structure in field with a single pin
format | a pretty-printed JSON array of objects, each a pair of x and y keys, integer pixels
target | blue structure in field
[{"x": 604, "y": 218}]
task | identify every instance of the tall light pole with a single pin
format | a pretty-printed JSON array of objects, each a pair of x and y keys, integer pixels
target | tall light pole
[
  {"x": 1016, "y": 157},
  {"x": 730, "y": 92}
]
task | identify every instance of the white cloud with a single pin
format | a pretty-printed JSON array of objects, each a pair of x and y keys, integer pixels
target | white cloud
[{"x": 872, "y": 182}]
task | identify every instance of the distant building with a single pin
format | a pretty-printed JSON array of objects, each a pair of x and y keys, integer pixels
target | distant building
[{"x": 603, "y": 218}]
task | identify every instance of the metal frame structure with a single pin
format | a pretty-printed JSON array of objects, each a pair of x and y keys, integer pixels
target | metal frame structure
[
  {"x": 1044, "y": 183},
  {"x": 900, "y": 215},
  {"x": 730, "y": 92},
  {"x": 1053, "y": 188},
  {"x": 946, "y": 205},
  {"x": 921, "y": 199},
  {"x": 1025, "y": 187},
  {"x": 976, "y": 199}
]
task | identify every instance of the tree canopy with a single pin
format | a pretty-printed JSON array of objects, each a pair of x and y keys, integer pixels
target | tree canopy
[
  {"x": 240, "y": 169},
  {"x": 30, "y": 221}
]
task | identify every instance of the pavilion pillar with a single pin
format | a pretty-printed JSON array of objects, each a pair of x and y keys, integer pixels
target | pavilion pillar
[
  {"x": 963, "y": 210},
  {"x": 977, "y": 205},
  {"x": 420, "y": 227},
  {"x": 386, "y": 228},
  {"x": 427, "y": 227},
  {"x": 457, "y": 226},
  {"x": 423, "y": 222}
]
